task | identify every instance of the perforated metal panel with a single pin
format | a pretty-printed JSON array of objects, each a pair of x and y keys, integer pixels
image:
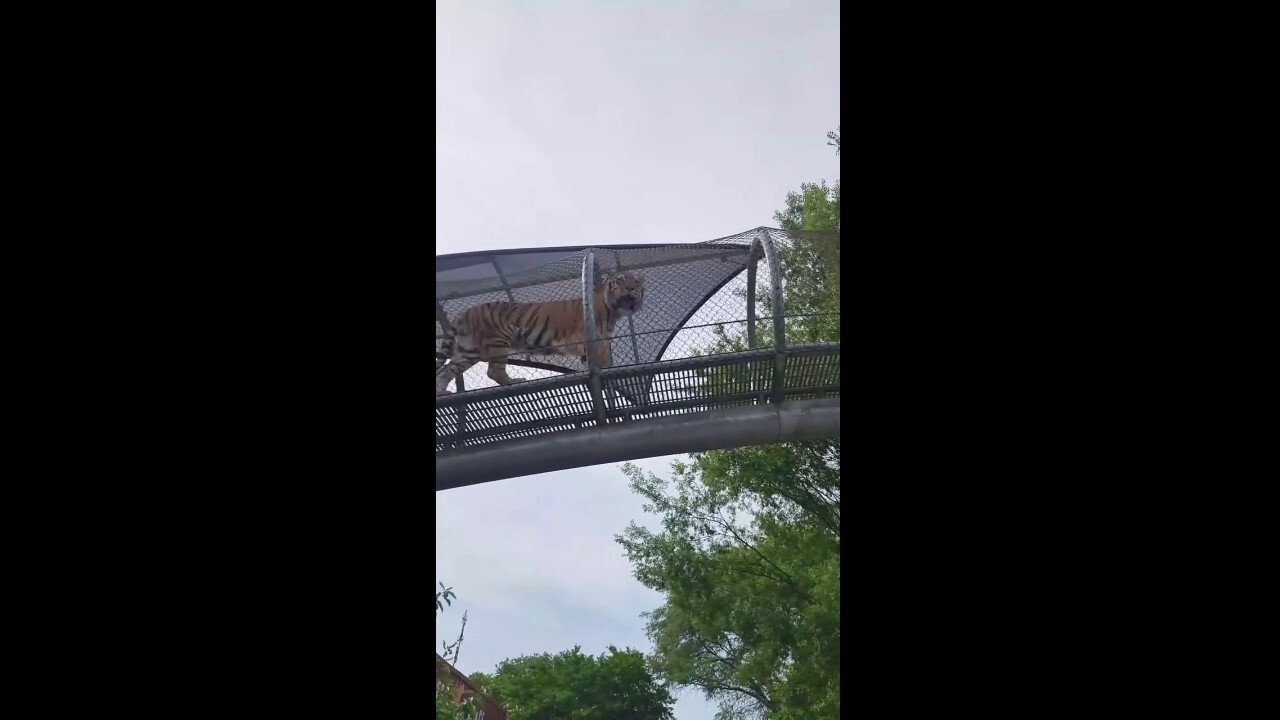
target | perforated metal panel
[{"x": 679, "y": 386}]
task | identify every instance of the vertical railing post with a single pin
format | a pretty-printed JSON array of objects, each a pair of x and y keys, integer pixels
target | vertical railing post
[
  {"x": 589, "y": 332},
  {"x": 779, "y": 320},
  {"x": 460, "y": 434},
  {"x": 753, "y": 261},
  {"x": 612, "y": 391}
]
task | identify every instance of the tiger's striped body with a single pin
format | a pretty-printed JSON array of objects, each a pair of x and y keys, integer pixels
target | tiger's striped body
[{"x": 493, "y": 331}]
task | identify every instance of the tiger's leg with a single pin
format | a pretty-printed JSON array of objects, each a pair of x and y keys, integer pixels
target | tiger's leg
[
  {"x": 497, "y": 351},
  {"x": 574, "y": 349},
  {"x": 498, "y": 371},
  {"x": 447, "y": 373}
]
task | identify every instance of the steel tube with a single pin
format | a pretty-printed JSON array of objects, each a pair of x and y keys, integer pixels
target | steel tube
[
  {"x": 791, "y": 421},
  {"x": 779, "y": 322},
  {"x": 635, "y": 343},
  {"x": 753, "y": 263},
  {"x": 589, "y": 332},
  {"x": 753, "y": 260}
]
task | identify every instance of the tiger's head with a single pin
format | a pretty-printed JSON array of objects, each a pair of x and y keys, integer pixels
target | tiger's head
[{"x": 625, "y": 293}]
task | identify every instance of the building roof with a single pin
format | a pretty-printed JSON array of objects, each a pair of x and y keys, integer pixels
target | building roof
[{"x": 464, "y": 688}]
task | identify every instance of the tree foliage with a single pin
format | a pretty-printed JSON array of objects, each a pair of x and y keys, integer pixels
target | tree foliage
[
  {"x": 811, "y": 262},
  {"x": 810, "y": 258},
  {"x": 748, "y": 554},
  {"x": 749, "y": 560},
  {"x": 616, "y": 685}
]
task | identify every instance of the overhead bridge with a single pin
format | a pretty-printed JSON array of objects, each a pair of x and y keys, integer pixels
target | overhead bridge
[{"x": 705, "y": 363}]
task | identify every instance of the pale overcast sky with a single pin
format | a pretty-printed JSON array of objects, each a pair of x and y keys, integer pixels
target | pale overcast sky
[{"x": 593, "y": 122}]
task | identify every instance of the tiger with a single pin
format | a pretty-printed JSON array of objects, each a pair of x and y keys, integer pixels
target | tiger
[{"x": 494, "y": 330}]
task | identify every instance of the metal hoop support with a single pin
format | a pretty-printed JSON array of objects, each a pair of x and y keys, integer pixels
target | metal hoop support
[
  {"x": 779, "y": 322},
  {"x": 589, "y": 332},
  {"x": 753, "y": 261}
]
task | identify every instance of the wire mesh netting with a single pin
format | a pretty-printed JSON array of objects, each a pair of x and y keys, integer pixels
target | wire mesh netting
[{"x": 678, "y": 280}]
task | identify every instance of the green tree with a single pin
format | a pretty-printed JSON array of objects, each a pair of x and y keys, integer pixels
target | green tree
[
  {"x": 748, "y": 558},
  {"x": 811, "y": 262},
  {"x": 809, "y": 253},
  {"x": 748, "y": 555},
  {"x": 617, "y": 685}
]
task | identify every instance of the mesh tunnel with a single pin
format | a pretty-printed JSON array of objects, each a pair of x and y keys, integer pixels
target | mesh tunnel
[{"x": 697, "y": 344}]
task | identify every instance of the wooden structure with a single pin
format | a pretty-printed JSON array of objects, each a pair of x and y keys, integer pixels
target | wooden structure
[{"x": 464, "y": 689}]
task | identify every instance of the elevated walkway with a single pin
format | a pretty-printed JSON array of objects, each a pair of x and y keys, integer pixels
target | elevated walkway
[{"x": 697, "y": 368}]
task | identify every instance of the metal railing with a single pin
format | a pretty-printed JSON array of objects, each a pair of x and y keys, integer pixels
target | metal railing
[{"x": 569, "y": 402}]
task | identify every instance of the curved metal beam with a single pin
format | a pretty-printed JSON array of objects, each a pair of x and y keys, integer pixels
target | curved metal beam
[
  {"x": 791, "y": 421},
  {"x": 705, "y": 299},
  {"x": 753, "y": 263},
  {"x": 692, "y": 311},
  {"x": 588, "y": 297},
  {"x": 779, "y": 321},
  {"x": 589, "y": 332},
  {"x": 775, "y": 283}
]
